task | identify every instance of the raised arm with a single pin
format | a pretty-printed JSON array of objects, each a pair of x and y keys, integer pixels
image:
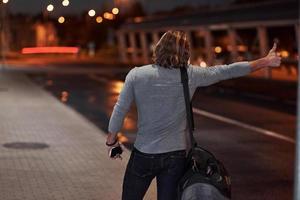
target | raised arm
[
  {"x": 271, "y": 60},
  {"x": 204, "y": 76}
]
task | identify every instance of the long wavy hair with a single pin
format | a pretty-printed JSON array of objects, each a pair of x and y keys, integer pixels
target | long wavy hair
[{"x": 172, "y": 50}]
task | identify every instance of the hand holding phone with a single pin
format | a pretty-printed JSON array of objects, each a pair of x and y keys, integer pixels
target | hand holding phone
[
  {"x": 115, "y": 152},
  {"x": 114, "y": 146}
]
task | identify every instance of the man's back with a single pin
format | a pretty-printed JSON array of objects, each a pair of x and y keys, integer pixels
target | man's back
[{"x": 158, "y": 94}]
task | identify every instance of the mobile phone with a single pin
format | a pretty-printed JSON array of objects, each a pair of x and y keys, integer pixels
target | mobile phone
[{"x": 114, "y": 151}]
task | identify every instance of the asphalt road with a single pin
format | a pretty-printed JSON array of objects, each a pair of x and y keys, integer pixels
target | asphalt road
[{"x": 254, "y": 138}]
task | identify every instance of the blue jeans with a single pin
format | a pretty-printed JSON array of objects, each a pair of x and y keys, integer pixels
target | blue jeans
[{"x": 168, "y": 168}]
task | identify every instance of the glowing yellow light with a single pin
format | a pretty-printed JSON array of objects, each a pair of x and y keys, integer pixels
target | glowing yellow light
[
  {"x": 50, "y": 7},
  {"x": 99, "y": 19},
  {"x": 218, "y": 49},
  {"x": 61, "y": 20},
  {"x": 242, "y": 48},
  {"x": 115, "y": 11},
  {"x": 64, "y": 96},
  {"x": 284, "y": 53},
  {"x": 122, "y": 138},
  {"x": 105, "y": 15},
  {"x": 108, "y": 16},
  {"x": 203, "y": 64},
  {"x": 117, "y": 86},
  {"x": 5, "y": 1},
  {"x": 65, "y": 2},
  {"x": 92, "y": 13}
]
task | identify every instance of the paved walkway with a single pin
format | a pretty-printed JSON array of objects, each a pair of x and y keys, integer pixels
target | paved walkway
[{"x": 74, "y": 166}]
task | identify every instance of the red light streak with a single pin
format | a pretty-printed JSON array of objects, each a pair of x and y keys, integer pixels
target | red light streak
[{"x": 40, "y": 50}]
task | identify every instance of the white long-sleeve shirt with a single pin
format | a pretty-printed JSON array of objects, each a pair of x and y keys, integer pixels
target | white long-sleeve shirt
[{"x": 158, "y": 94}]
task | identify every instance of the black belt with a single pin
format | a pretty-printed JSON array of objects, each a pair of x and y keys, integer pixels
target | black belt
[{"x": 159, "y": 154}]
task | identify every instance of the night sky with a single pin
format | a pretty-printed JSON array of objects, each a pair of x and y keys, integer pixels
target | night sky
[{"x": 78, "y": 6}]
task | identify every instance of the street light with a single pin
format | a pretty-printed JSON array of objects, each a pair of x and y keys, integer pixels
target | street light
[
  {"x": 5, "y": 1},
  {"x": 92, "y": 13},
  {"x": 108, "y": 16},
  {"x": 115, "y": 11},
  {"x": 65, "y": 2},
  {"x": 218, "y": 49},
  {"x": 99, "y": 19},
  {"x": 61, "y": 20},
  {"x": 50, "y": 7}
]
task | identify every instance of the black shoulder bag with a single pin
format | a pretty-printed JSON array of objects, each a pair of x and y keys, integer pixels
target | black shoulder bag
[{"x": 205, "y": 177}]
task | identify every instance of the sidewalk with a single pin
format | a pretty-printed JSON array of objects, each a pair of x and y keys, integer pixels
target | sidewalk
[{"x": 70, "y": 160}]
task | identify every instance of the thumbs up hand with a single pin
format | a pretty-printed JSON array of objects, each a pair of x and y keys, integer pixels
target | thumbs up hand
[{"x": 273, "y": 59}]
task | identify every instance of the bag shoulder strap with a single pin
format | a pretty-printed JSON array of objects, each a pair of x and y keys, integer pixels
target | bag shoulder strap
[{"x": 188, "y": 104}]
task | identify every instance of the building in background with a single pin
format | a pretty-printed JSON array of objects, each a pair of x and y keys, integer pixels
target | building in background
[
  {"x": 45, "y": 34},
  {"x": 222, "y": 35},
  {"x": 27, "y": 32}
]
